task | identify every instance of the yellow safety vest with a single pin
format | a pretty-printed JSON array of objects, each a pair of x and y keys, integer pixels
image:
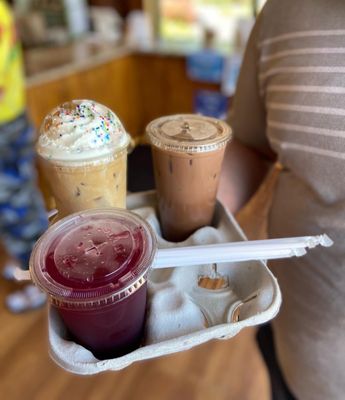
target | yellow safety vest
[{"x": 12, "y": 92}]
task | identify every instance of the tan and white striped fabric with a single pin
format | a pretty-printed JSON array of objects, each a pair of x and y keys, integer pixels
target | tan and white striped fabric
[{"x": 291, "y": 97}]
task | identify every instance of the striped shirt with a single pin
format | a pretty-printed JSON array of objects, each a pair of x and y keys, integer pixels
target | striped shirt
[{"x": 291, "y": 98}]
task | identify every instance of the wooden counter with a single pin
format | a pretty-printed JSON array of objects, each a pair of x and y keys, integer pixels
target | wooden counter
[
  {"x": 108, "y": 76},
  {"x": 137, "y": 86}
]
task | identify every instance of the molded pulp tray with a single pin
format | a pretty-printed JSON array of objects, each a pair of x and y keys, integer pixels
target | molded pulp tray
[{"x": 176, "y": 302}]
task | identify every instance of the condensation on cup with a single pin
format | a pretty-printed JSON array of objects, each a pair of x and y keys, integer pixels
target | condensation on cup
[
  {"x": 188, "y": 151},
  {"x": 94, "y": 266}
]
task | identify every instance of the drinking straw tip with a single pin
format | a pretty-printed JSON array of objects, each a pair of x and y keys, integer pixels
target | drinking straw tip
[
  {"x": 21, "y": 275},
  {"x": 299, "y": 252},
  {"x": 326, "y": 241}
]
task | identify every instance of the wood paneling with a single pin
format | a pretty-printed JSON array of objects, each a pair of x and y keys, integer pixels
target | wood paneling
[
  {"x": 113, "y": 83},
  {"x": 165, "y": 87},
  {"x": 138, "y": 88}
]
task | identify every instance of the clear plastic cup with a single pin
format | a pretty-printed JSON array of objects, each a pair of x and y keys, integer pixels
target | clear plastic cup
[
  {"x": 187, "y": 151},
  {"x": 94, "y": 265},
  {"x": 82, "y": 149}
]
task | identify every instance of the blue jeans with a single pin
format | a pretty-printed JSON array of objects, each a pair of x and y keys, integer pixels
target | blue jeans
[{"x": 22, "y": 213}]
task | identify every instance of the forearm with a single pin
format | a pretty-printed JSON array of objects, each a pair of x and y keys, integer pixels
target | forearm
[{"x": 242, "y": 172}]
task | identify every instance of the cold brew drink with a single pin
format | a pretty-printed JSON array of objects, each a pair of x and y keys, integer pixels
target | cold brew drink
[{"x": 187, "y": 152}]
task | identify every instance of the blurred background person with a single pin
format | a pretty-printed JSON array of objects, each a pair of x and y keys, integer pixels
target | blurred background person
[{"x": 22, "y": 213}]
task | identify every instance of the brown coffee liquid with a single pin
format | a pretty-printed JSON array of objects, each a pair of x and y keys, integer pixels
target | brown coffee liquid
[
  {"x": 186, "y": 188},
  {"x": 93, "y": 185}
]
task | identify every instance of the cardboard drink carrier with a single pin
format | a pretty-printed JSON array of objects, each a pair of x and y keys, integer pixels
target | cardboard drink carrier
[{"x": 187, "y": 306}]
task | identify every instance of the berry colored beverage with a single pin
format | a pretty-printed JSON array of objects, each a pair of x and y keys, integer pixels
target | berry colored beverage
[{"x": 94, "y": 267}]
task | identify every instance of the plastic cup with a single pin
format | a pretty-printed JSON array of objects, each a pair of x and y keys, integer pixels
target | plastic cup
[
  {"x": 187, "y": 151},
  {"x": 94, "y": 265},
  {"x": 82, "y": 149}
]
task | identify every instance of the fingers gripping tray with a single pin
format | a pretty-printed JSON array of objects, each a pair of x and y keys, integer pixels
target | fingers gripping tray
[{"x": 187, "y": 306}]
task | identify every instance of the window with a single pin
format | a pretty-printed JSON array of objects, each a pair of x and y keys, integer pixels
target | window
[{"x": 182, "y": 23}]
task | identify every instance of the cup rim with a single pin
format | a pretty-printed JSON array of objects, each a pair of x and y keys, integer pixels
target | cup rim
[
  {"x": 59, "y": 294},
  {"x": 157, "y": 139}
]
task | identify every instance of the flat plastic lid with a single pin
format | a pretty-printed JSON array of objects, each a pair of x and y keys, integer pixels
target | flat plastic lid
[
  {"x": 188, "y": 133},
  {"x": 93, "y": 257}
]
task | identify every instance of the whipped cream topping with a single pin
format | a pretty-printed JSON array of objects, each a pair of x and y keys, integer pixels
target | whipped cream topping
[{"x": 81, "y": 130}]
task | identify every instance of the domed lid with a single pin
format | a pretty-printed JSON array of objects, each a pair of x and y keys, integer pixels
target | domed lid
[
  {"x": 81, "y": 130},
  {"x": 188, "y": 133}
]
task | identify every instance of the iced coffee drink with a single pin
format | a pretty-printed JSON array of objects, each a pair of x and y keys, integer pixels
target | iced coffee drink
[
  {"x": 187, "y": 151},
  {"x": 82, "y": 150}
]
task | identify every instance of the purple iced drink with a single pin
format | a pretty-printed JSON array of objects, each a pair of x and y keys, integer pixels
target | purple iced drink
[{"x": 94, "y": 266}]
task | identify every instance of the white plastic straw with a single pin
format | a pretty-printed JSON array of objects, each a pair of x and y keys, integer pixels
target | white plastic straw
[
  {"x": 21, "y": 275},
  {"x": 238, "y": 251},
  {"x": 52, "y": 213},
  {"x": 228, "y": 252}
]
